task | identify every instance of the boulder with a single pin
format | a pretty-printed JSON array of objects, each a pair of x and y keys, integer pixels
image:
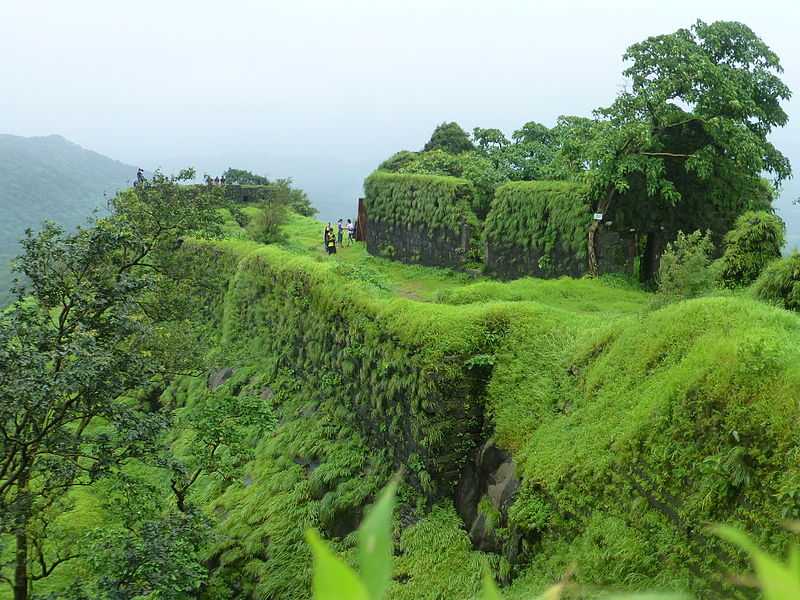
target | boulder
[
  {"x": 491, "y": 474},
  {"x": 219, "y": 377}
]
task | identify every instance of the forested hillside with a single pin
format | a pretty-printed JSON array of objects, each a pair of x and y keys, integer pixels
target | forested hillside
[{"x": 50, "y": 178}]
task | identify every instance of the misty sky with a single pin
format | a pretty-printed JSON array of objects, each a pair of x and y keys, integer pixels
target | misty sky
[{"x": 322, "y": 90}]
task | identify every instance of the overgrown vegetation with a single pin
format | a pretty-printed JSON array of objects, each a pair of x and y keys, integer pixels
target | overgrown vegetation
[
  {"x": 178, "y": 410},
  {"x": 756, "y": 239},
  {"x": 543, "y": 219},
  {"x": 685, "y": 270},
  {"x": 437, "y": 203},
  {"x": 779, "y": 284},
  {"x": 265, "y": 226},
  {"x": 335, "y": 579},
  {"x": 669, "y": 154},
  {"x": 97, "y": 325}
]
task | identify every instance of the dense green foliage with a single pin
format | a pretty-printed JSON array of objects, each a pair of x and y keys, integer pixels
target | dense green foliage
[
  {"x": 94, "y": 330},
  {"x": 602, "y": 420},
  {"x": 493, "y": 160},
  {"x": 334, "y": 579},
  {"x": 178, "y": 410},
  {"x": 450, "y": 138},
  {"x": 265, "y": 225},
  {"x": 472, "y": 166},
  {"x": 780, "y": 283},
  {"x": 692, "y": 132},
  {"x": 636, "y": 435},
  {"x": 244, "y": 177},
  {"x": 756, "y": 240},
  {"x": 685, "y": 267},
  {"x": 50, "y": 178},
  {"x": 684, "y": 149},
  {"x": 545, "y": 217},
  {"x": 629, "y": 432},
  {"x": 430, "y": 201}
]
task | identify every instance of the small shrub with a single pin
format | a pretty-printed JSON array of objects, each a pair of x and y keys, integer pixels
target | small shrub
[
  {"x": 685, "y": 267},
  {"x": 265, "y": 227},
  {"x": 780, "y": 283},
  {"x": 755, "y": 241}
]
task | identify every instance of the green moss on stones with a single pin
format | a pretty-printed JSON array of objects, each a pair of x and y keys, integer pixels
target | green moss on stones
[{"x": 431, "y": 201}]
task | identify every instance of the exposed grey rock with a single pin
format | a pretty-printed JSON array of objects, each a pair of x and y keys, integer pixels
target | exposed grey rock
[
  {"x": 310, "y": 464},
  {"x": 502, "y": 485},
  {"x": 491, "y": 474},
  {"x": 219, "y": 377}
]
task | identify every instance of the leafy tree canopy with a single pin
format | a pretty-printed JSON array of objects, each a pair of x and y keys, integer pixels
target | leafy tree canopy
[
  {"x": 243, "y": 177},
  {"x": 103, "y": 318},
  {"x": 450, "y": 138},
  {"x": 755, "y": 241},
  {"x": 701, "y": 106}
]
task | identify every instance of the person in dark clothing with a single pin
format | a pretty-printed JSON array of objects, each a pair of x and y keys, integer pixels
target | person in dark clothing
[
  {"x": 216, "y": 180},
  {"x": 222, "y": 180},
  {"x": 330, "y": 240},
  {"x": 140, "y": 177}
]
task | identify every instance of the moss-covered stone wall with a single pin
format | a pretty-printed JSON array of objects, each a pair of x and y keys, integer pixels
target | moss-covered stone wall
[
  {"x": 422, "y": 219},
  {"x": 628, "y": 436},
  {"x": 539, "y": 228}
]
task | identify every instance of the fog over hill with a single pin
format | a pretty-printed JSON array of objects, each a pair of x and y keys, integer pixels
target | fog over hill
[{"x": 50, "y": 178}]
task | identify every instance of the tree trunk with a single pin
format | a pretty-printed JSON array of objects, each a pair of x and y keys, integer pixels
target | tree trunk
[
  {"x": 21, "y": 570},
  {"x": 602, "y": 207},
  {"x": 648, "y": 266},
  {"x": 21, "y": 557}
]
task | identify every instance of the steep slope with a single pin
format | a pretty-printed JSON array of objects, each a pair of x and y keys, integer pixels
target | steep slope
[
  {"x": 629, "y": 431},
  {"x": 542, "y": 427},
  {"x": 50, "y": 178}
]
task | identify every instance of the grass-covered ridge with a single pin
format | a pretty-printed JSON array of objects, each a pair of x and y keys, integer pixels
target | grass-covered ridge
[
  {"x": 631, "y": 429},
  {"x": 633, "y": 439}
]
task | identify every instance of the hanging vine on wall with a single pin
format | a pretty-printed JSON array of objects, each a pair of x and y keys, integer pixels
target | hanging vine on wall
[
  {"x": 540, "y": 217},
  {"x": 432, "y": 201}
]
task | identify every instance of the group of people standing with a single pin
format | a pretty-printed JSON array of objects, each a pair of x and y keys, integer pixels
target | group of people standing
[
  {"x": 336, "y": 236},
  {"x": 215, "y": 181}
]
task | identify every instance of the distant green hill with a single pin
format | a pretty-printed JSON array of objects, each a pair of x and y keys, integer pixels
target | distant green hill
[{"x": 49, "y": 178}]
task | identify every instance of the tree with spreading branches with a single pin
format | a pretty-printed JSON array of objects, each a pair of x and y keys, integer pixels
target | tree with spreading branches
[
  {"x": 98, "y": 322},
  {"x": 695, "y": 122}
]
